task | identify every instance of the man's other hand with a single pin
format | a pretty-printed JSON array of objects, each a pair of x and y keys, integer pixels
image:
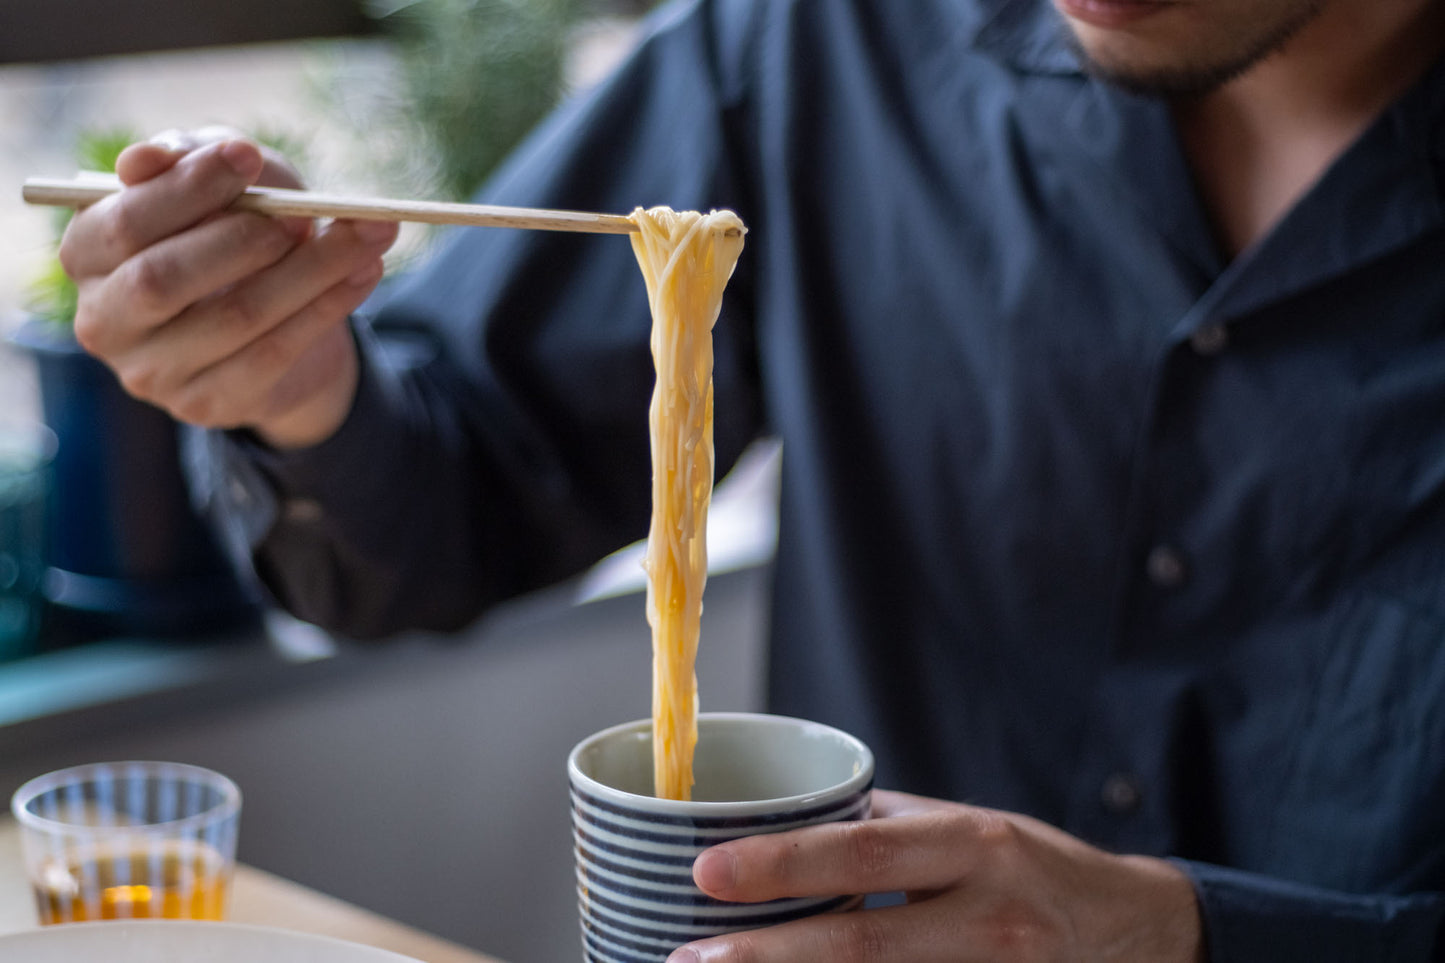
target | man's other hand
[{"x": 981, "y": 885}]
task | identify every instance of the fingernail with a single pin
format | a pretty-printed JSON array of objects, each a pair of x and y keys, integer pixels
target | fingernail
[
  {"x": 685, "y": 955},
  {"x": 374, "y": 232},
  {"x": 243, "y": 158},
  {"x": 715, "y": 871}
]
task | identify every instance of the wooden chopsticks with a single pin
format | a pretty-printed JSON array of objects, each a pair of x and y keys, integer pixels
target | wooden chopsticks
[{"x": 281, "y": 202}]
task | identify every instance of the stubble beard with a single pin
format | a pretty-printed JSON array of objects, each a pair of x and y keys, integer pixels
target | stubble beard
[{"x": 1184, "y": 79}]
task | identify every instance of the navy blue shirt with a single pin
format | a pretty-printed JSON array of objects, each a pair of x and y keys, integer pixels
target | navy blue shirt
[{"x": 1078, "y": 519}]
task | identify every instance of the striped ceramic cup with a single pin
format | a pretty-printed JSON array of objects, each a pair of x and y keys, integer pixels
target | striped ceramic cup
[{"x": 753, "y": 774}]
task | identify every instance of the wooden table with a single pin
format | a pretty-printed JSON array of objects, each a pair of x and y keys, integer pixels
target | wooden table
[{"x": 260, "y": 898}]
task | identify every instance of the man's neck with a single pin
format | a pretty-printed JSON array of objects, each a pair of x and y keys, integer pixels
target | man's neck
[{"x": 1259, "y": 142}]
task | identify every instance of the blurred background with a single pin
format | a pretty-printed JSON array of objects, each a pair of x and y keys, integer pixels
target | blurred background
[{"x": 422, "y": 778}]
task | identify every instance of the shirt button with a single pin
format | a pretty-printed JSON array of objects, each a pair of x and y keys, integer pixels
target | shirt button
[
  {"x": 239, "y": 493},
  {"x": 1121, "y": 794},
  {"x": 1165, "y": 567},
  {"x": 1209, "y": 339}
]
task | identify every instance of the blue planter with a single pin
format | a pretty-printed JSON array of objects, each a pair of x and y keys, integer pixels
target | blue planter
[{"x": 129, "y": 554}]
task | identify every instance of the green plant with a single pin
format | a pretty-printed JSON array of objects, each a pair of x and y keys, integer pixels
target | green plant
[
  {"x": 478, "y": 76},
  {"x": 467, "y": 80}
]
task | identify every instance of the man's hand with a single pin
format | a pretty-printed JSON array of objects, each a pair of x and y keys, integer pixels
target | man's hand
[
  {"x": 226, "y": 319},
  {"x": 982, "y": 885}
]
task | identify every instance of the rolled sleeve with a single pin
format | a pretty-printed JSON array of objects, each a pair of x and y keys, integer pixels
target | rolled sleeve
[
  {"x": 310, "y": 524},
  {"x": 1250, "y": 918}
]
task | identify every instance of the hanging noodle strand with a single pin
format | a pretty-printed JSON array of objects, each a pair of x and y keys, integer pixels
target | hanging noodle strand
[{"x": 686, "y": 259}]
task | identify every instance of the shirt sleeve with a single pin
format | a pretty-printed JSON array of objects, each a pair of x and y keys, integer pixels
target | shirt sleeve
[
  {"x": 1250, "y": 918},
  {"x": 499, "y": 437}
]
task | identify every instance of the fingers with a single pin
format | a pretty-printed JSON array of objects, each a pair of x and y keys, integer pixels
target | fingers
[
  {"x": 981, "y": 885},
  {"x": 888, "y": 803},
  {"x": 193, "y": 188},
  {"x": 148, "y": 159},
  {"x": 905, "y": 934},
  {"x": 160, "y": 282},
  {"x": 171, "y": 289},
  {"x": 142, "y": 161},
  {"x": 251, "y": 331},
  {"x": 213, "y": 330},
  {"x": 928, "y": 847},
  {"x": 285, "y": 369}
]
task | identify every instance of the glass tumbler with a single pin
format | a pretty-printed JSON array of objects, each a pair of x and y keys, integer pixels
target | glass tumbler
[{"x": 129, "y": 840}]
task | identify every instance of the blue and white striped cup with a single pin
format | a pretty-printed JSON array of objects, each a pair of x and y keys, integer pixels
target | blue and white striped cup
[{"x": 753, "y": 774}]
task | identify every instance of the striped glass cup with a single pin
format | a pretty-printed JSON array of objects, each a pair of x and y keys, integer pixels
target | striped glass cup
[{"x": 753, "y": 774}]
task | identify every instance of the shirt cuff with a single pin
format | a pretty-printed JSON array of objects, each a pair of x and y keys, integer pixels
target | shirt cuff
[
  {"x": 1249, "y": 918},
  {"x": 250, "y": 487}
]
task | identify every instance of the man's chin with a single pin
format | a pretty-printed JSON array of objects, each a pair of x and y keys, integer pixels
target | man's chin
[
  {"x": 1140, "y": 76},
  {"x": 1169, "y": 57}
]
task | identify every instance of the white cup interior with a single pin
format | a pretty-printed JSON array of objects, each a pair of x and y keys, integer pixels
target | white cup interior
[{"x": 740, "y": 757}]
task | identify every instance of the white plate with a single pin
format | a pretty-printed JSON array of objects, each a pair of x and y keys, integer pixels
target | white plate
[{"x": 182, "y": 941}]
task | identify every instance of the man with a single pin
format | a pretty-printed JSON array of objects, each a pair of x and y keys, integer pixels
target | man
[{"x": 1106, "y": 345}]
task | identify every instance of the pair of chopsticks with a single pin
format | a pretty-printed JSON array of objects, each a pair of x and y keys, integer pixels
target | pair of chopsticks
[{"x": 281, "y": 202}]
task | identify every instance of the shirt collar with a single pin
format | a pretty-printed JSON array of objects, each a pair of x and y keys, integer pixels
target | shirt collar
[{"x": 1032, "y": 36}]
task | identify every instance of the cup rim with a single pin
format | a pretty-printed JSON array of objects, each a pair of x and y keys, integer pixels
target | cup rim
[
  {"x": 859, "y": 781},
  {"x": 226, "y": 808}
]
